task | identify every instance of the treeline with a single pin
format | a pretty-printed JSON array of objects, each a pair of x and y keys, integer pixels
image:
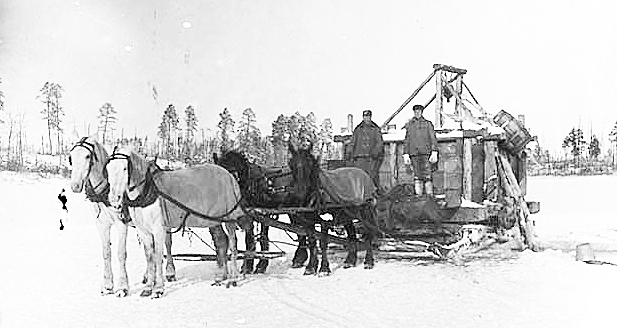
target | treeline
[{"x": 179, "y": 135}]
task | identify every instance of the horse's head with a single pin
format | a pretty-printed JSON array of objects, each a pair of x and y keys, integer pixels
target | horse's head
[
  {"x": 87, "y": 158},
  {"x": 237, "y": 164},
  {"x": 126, "y": 171},
  {"x": 305, "y": 173}
]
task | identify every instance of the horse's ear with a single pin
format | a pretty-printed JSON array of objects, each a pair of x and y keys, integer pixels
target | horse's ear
[
  {"x": 291, "y": 148},
  {"x": 215, "y": 158},
  {"x": 115, "y": 148}
]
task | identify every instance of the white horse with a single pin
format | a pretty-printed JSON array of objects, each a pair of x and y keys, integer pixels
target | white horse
[
  {"x": 167, "y": 199},
  {"x": 87, "y": 159}
]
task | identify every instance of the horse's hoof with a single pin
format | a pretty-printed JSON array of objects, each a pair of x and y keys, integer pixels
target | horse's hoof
[
  {"x": 122, "y": 293},
  {"x": 232, "y": 284},
  {"x": 171, "y": 278},
  {"x": 246, "y": 270},
  {"x": 260, "y": 270},
  {"x": 325, "y": 273},
  {"x": 157, "y": 294},
  {"x": 107, "y": 291},
  {"x": 309, "y": 271},
  {"x": 297, "y": 265},
  {"x": 348, "y": 265},
  {"x": 369, "y": 266},
  {"x": 146, "y": 293}
]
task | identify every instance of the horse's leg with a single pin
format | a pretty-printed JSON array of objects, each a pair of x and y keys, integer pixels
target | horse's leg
[
  {"x": 170, "y": 269},
  {"x": 148, "y": 241},
  {"x": 159, "y": 238},
  {"x": 352, "y": 243},
  {"x": 264, "y": 246},
  {"x": 233, "y": 247},
  {"x": 311, "y": 267},
  {"x": 220, "y": 244},
  {"x": 324, "y": 269},
  {"x": 249, "y": 241},
  {"x": 369, "y": 225},
  {"x": 123, "y": 285},
  {"x": 104, "y": 226},
  {"x": 300, "y": 256}
]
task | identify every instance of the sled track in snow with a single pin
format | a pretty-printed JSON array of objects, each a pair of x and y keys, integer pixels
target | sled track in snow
[{"x": 280, "y": 291}]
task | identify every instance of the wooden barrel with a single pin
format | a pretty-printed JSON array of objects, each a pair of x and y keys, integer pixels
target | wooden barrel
[{"x": 517, "y": 137}]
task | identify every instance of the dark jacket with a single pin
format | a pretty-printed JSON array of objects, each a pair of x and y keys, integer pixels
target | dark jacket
[
  {"x": 420, "y": 137},
  {"x": 366, "y": 142}
]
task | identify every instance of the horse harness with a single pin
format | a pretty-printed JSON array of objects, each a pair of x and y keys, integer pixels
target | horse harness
[
  {"x": 90, "y": 191},
  {"x": 150, "y": 193}
]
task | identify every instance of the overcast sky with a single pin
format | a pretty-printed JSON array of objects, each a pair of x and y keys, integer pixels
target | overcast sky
[{"x": 554, "y": 61}]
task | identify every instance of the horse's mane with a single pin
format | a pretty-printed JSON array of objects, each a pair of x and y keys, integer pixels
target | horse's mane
[{"x": 311, "y": 163}]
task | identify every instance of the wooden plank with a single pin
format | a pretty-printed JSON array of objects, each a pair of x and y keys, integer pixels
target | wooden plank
[
  {"x": 491, "y": 178},
  {"x": 513, "y": 189},
  {"x": 458, "y": 110},
  {"x": 439, "y": 102},
  {"x": 449, "y": 68},
  {"x": 466, "y": 215},
  {"x": 467, "y": 168}
]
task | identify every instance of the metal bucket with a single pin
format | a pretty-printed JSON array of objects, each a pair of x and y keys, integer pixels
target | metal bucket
[{"x": 517, "y": 137}]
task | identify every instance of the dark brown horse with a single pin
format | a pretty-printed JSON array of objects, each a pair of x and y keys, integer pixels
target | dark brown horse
[
  {"x": 346, "y": 193},
  {"x": 265, "y": 188}
]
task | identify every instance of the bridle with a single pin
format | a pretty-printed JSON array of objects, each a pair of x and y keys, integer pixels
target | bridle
[
  {"x": 91, "y": 191},
  {"x": 129, "y": 167}
]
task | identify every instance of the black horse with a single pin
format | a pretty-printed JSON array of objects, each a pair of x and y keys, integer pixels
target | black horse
[
  {"x": 264, "y": 188},
  {"x": 347, "y": 193}
]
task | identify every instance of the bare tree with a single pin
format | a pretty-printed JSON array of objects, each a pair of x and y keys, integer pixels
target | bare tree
[{"x": 107, "y": 118}]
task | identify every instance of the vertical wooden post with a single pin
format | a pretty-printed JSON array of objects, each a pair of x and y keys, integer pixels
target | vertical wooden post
[
  {"x": 458, "y": 110},
  {"x": 393, "y": 164},
  {"x": 467, "y": 168},
  {"x": 491, "y": 178},
  {"x": 438, "y": 101}
]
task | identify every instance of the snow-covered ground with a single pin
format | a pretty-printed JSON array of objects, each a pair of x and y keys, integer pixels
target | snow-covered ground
[{"x": 51, "y": 278}]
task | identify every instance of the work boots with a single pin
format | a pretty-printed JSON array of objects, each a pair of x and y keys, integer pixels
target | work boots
[
  {"x": 428, "y": 187},
  {"x": 418, "y": 187}
]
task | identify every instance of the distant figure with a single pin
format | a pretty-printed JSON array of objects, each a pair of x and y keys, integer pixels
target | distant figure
[
  {"x": 420, "y": 150},
  {"x": 366, "y": 148},
  {"x": 62, "y": 198}
]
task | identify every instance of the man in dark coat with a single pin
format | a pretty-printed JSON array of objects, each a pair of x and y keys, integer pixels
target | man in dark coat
[
  {"x": 365, "y": 150},
  {"x": 420, "y": 149}
]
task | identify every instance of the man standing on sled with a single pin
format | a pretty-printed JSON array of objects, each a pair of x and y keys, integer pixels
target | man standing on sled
[
  {"x": 365, "y": 150},
  {"x": 420, "y": 149}
]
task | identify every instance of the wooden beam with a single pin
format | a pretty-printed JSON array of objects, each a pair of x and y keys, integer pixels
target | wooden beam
[
  {"x": 513, "y": 190},
  {"x": 458, "y": 110},
  {"x": 491, "y": 177},
  {"x": 439, "y": 102},
  {"x": 450, "y": 69},
  {"x": 406, "y": 102},
  {"x": 467, "y": 168}
]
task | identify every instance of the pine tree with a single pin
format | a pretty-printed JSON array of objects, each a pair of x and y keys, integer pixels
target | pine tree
[
  {"x": 168, "y": 128},
  {"x": 594, "y": 147},
  {"x": 576, "y": 142},
  {"x": 226, "y": 125},
  {"x": 107, "y": 119},
  {"x": 249, "y": 136},
  {"x": 191, "y": 127},
  {"x": 50, "y": 95}
]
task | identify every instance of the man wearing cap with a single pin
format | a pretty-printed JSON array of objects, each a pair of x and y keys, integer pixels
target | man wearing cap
[
  {"x": 365, "y": 150},
  {"x": 420, "y": 150}
]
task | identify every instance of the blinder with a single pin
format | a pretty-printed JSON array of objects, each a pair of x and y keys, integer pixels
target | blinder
[
  {"x": 89, "y": 146},
  {"x": 129, "y": 165}
]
